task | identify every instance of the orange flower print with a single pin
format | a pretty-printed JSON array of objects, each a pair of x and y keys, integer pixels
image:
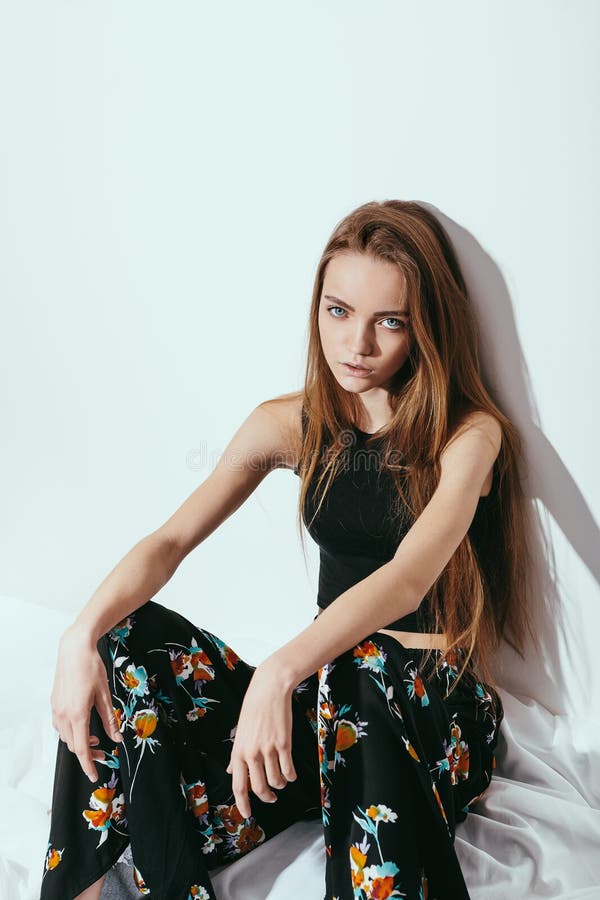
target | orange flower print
[
  {"x": 53, "y": 857},
  {"x": 135, "y": 680},
  {"x": 122, "y": 629},
  {"x": 357, "y": 864},
  {"x": 139, "y": 881},
  {"x": 201, "y": 666},
  {"x": 199, "y": 709},
  {"x": 196, "y": 798},
  {"x": 240, "y": 834},
  {"x": 381, "y": 813},
  {"x": 377, "y": 881},
  {"x": 326, "y": 711},
  {"x": 250, "y": 836},
  {"x": 107, "y": 808},
  {"x": 451, "y": 658},
  {"x": 180, "y": 664},
  {"x": 119, "y": 717},
  {"x": 436, "y": 794},
  {"x": 369, "y": 656},
  {"x": 410, "y": 748},
  {"x": 416, "y": 688},
  {"x": 197, "y": 892},
  {"x": 143, "y": 723},
  {"x": 336, "y": 734},
  {"x": 456, "y": 760},
  {"x": 460, "y": 767},
  {"x": 230, "y": 817},
  {"x": 346, "y": 735},
  {"x": 193, "y": 663},
  {"x": 229, "y": 656}
]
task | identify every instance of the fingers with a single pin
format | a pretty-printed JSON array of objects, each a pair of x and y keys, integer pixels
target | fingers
[
  {"x": 276, "y": 769},
  {"x": 286, "y": 763},
  {"x": 78, "y": 687},
  {"x": 96, "y": 754},
  {"x": 65, "y": 732},
  {"x": 73, "y": 731},
  {"x": 239, "y": 783},
  {"x": 107, "y": 713},
  {"x": 273, "y": 772},
  {"x": 81, "y": 746},
  {"x": 259, "y": 786}
]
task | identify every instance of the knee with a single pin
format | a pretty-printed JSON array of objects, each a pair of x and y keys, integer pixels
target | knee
[
  {"x": 153, "y": 620},
  {"x": 146, "y": 627}
]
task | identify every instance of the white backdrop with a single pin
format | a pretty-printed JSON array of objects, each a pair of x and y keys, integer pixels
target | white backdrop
[{"x": 170, "y": 174}]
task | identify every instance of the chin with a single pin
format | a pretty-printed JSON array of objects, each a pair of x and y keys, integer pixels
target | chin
[{"x": 356, "y": 388}]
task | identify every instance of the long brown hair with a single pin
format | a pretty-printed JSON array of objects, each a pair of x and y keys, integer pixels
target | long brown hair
[{"x": 437, "y": 387}]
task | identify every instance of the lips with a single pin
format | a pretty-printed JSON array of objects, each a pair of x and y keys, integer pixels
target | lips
[
  {"x": 355, "y": 371},
  {"x": 358, "y": 368}
]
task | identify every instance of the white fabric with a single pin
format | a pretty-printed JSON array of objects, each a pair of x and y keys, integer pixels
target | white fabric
[{"x": 536, "y": 833}]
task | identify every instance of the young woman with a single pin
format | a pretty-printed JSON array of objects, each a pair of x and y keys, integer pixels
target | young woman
[{"x": 381, "y": 717}]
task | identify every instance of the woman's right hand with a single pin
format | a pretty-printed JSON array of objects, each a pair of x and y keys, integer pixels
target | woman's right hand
[{"x": 80, "y": 682}]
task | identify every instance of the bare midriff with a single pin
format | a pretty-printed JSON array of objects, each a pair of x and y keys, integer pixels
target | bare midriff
[
  {"x": 415, "y": 639},
  {"x": 419, "y": 639}
]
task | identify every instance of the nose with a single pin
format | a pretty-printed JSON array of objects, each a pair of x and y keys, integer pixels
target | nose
[{"x": 360, "y": 343}]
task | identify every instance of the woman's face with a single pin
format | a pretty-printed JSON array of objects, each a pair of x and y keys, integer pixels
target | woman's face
[{"x": 375, "y": 332}]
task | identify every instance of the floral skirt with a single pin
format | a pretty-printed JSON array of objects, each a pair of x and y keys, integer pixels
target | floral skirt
[{"x": 390, "y": 762}]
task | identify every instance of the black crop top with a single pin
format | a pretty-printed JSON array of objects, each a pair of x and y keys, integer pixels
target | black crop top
[{"x": 361, "y": 523}]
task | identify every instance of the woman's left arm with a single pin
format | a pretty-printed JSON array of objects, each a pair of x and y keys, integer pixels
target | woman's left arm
[{"x": 262, "y": 746}]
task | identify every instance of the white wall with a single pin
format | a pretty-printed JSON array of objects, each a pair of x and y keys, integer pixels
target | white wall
[{"x": 171, "y": 173}]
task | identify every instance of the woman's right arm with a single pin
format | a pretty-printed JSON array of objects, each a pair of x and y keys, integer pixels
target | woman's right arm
[{"x": 261, "y": 444}]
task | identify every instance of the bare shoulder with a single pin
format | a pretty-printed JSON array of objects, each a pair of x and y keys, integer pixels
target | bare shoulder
[
  {"x": 267, "y": 439},
  {"x": 472, "y": 449},
  {"x": 284, "y": 414},
  {"x": 264, "y": 441},
  {"x": 481, "y": 423}
]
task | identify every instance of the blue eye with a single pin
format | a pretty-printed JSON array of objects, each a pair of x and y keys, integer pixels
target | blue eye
[{"x": 401, "y": 323}]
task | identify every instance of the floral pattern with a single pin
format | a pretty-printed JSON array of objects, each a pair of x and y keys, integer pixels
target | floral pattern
[
  {"x": 353, "y": 749},
  {"x": 177, "y": 691}
]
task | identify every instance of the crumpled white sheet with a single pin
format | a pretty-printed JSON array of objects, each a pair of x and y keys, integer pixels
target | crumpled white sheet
[{"x": 535, "y": 834}]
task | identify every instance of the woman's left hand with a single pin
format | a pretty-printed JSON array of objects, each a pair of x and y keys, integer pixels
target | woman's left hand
[{"x": 262, "y": 748}]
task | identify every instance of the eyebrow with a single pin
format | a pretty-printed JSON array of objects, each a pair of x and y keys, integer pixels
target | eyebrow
[{"x": 384, "y": 312}]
